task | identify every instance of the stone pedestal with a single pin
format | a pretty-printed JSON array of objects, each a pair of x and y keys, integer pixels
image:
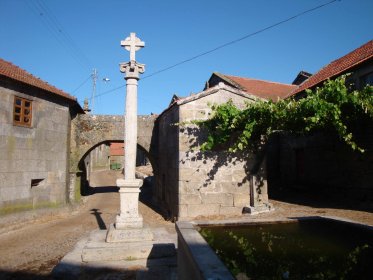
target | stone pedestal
[
  {"x": 128, "y": 235},
  {"x": 129, "y": 216},
  {"x": 128, "y": 226},
  {"x": 258, "y": 196}
]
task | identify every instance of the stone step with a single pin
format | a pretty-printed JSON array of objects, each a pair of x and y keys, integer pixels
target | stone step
[
  {"x": 132, "y": 251},
  {"x": 130, "y": 264}
]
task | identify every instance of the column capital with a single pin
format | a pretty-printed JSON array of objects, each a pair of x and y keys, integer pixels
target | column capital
[{"x": 132, "y": 69}]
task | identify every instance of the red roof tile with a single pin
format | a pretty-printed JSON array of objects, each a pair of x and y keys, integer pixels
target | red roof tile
[
  {"x": 338, "y": 67},
  {"x": 260, "y": 88},
  {"x": 11, "y": 71}
]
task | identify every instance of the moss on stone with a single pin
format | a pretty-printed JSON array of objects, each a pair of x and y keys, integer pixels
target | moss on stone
[
  {"x": 20, "y": 207},
  {"x": 77, "y": 196}
]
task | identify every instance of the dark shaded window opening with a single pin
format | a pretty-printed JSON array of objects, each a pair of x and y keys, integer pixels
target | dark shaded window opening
[{"x": 36, "y": 182}]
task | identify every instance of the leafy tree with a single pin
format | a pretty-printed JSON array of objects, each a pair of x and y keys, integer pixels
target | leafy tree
[{"x": 332, "y": 107}]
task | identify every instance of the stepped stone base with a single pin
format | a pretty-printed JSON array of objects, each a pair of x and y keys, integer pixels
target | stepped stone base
[
  {"x": 128, "y": 235},
  {"x": 93, "y": 254},
  {"x": 254, "y": 210}
]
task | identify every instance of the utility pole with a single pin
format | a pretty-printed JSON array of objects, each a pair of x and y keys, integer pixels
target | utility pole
[{"x": 94, "y": 79}]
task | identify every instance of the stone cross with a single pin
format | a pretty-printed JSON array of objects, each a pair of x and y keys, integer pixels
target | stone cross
[
  {"x": 129, "y": 222},
  {"x": 132, "y": 44}
]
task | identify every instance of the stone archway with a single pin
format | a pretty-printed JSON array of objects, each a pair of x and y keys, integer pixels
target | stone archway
[{"x": 89, "y": 131}]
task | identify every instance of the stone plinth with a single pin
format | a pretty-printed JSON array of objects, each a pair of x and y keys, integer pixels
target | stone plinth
[
  {"x": 92, "y": 257},
  {"x": 161, "y": 244},
  {"x": 128, "y": 226},
  {"x": 258, "y": 197},
  {"x": 128, "y": 234},
  {"x": 129, "y": 216}
]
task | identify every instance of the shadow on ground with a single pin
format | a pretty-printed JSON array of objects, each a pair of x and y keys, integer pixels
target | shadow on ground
[
  {"x": 102, "y": 189},
  {"x": 323, "y": 198},
  {"x": 86, "y": 274}
]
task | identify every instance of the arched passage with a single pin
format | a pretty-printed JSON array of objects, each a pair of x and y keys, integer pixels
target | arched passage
[
  {"x": 85, "y": 167},
  {"x": 90, "y": 131}
]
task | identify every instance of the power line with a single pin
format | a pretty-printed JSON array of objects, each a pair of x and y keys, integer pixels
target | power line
[
  {"x": 239, "y": 39},
  {"x": 65, "y": 34},
  {"x": 229, "y": 43},
  {"x": 51, "y": 23},
  {"x": 86, "y": 80}
]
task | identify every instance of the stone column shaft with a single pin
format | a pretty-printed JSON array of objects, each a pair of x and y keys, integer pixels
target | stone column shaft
[
  {"x": 130, "y": 133},
  {"x": 129, "y": 216}
]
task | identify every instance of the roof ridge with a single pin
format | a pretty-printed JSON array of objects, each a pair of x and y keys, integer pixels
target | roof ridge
[
  {"x": 12, "y": 71},
  {"x": 261, "y": 80},
  {"x": 315, "y": 79}
]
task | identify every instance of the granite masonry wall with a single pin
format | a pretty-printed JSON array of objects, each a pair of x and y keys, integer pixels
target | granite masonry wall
[
  {"x": 88, "y": 133},
  {"x": 323, "y": 164},
  {"x": 34, "y": 160},
  {"x": 166, "y": 189},
  {"x": 195, "y": 183}
]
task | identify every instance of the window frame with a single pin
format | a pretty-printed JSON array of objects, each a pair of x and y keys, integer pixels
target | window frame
[{"x": 20, "y": 114}]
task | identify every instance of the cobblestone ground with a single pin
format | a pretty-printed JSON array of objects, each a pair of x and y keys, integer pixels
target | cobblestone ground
[{"x": 30, "y": 251}]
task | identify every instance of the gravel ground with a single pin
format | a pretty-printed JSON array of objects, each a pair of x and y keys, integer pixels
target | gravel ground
[{"x": 30, "y": 251}]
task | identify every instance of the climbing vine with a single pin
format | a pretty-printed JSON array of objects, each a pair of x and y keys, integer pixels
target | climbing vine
[{"x": 332, "y": 107}]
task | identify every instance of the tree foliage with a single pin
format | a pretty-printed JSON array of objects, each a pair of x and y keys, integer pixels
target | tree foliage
[{"x": 332, "y": 107}]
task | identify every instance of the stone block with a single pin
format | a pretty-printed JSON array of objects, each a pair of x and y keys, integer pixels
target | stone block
[
  {"x": 184, "y": 146},
  {"x": 239, "y": 175},
  {"x": 201, "y": 114},
  {"x": 191, "y": 174},
  {"x": 232, "y": 187},
  {"x": 183, "y": 210},
  {"x": 241, "y": 199},
  {"x": 128, "y": 235},
  {"x": 186, "y": 115},
  {"x": 230, "y": 211},
  {"x": 127, "y": 251},
  {"x": 203, "y": 210},
  {"x": 209, "y": 187},
  {"x": 190, "y": 199},
  {"x": 187, "y": 187},
  {"x": 5, "y": 166},
  {"x": 225, "y": 199},
  {"x": 221, "y": 177}
]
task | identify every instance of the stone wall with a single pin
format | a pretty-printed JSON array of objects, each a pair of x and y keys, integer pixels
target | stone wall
[
  {"x": 100, "y": 157},
  {"x": 322, "y": 164},
  {"x": 91, "y": 131},
  {"x": 202, "y": 183},
  {"x": 166, "y": 190},
  {"x": 34, "y": 160}
]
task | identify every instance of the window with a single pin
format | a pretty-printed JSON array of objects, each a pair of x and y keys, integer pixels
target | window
[
  {"x": 36, "y": 182},
  {"x": 22, "y": 111}
]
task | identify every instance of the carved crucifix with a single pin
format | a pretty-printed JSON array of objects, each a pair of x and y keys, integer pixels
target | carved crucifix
[{"x": 132, "y": 44}]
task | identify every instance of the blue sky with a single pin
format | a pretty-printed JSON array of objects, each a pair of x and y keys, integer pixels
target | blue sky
[{"x": 62, "y": 41}]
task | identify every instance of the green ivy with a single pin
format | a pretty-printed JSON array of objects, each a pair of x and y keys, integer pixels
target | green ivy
[{"x": 332, "y": 107}]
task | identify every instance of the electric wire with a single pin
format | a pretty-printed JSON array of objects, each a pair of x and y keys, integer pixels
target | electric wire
[
  {"x": 55, "y": 28},
  {"x": 227, "y": 44},
  {"x": 64, "y": 33},
  {"x": 83, "y": 83}
]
